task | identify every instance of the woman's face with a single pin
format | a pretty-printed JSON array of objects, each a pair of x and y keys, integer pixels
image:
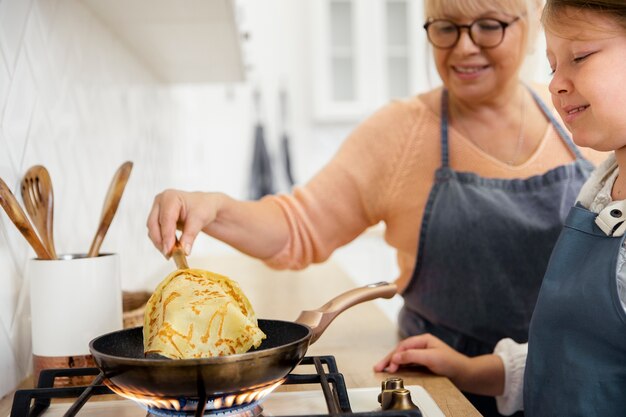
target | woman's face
[
  {"x": 476, "y": 74},
  {"x": 587, "y": 53}
]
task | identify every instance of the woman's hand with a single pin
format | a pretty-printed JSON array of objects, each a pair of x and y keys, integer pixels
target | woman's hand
[
  {"x": 256, "y": 228},
  {"x": 193, "y": 211},
  {"x": 480, "y": 375}
]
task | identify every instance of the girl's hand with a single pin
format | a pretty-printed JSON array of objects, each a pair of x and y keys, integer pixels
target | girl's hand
[
  {"x": 480, "y": 375},
  {"x": 425, "y": 350}
]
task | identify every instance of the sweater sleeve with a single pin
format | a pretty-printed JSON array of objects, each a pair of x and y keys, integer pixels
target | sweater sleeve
[
  {"x": 513, "y": 356},
  {"x": 349, "y": 194}
]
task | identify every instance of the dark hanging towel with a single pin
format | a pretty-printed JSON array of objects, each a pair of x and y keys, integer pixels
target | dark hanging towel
[
  {"x": 261, "y": 178},
  {"x": 284, "y": 142},
  {"x": 287, "y": 159}
]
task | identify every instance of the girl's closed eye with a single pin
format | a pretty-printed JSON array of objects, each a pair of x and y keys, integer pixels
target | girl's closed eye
[
  {"x": 577, "y": 59},
  {"x": 582, "y": 57}
]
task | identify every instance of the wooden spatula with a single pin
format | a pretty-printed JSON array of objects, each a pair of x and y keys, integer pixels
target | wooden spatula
[
  {"x": 178, "y": 253},
  {"x": 111, "y": 203}
]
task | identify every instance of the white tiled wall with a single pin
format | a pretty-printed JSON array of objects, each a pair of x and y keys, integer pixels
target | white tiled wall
[{"x": 74, "y": 99}]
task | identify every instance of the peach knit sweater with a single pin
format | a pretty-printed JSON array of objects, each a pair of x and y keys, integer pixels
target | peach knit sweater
[{"x": 384, "y": 172}]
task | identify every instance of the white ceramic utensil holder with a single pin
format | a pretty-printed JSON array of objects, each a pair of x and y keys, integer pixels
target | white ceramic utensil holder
[{"x": 73, "y": 300}]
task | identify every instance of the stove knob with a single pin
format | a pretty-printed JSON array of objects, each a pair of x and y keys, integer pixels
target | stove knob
[
  {"x": 390, "y": 384},
  {"x": 397, "y": 399}
]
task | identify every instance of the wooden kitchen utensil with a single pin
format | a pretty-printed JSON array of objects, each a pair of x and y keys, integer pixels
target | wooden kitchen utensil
[
  {"x": 39, "y": 202},
  {"x": 178, "y": 253},
  {"x": 111, "y": 202},
  {"x": 19, "y": 219}
]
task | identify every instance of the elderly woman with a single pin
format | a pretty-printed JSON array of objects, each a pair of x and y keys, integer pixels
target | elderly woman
[{"x": 472, "y": 180}]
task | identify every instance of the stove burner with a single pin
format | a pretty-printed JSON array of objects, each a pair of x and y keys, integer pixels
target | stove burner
[
  {"x": 189, "y": 409},
  {"x": 225, "y": 405}
]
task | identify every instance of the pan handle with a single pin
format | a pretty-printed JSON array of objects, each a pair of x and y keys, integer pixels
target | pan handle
[{"x": 318, "y": 320}]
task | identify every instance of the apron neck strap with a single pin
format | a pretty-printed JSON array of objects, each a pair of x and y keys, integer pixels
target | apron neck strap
[
  {"x": 559, "y": 128},
  {"x": 445, "y": 159},
  {"x": 444, "y": 128}
]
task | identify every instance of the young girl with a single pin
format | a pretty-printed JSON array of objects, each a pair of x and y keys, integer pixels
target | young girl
[{"x": 575, "y": 360}]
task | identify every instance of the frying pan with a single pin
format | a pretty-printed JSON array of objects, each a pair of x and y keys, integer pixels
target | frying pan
[{"x": 120, "y": 355}]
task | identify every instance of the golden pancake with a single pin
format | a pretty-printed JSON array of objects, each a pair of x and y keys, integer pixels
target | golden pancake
[{"x": 197, "y": 314}]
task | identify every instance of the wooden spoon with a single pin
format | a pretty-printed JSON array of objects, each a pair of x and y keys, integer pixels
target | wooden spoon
[
  {"x": 39, "y": 202},
  {"x": 178, "y": 253},
  {"x": 111, "y": 203},
  {"x": 19, "y": 219}
]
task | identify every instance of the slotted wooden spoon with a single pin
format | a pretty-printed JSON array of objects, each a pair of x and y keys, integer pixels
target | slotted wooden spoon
[
  {"x": 19, "y": 219},
  {"x": 111, "y": 203},
  {"x": 39, "y": 202}
]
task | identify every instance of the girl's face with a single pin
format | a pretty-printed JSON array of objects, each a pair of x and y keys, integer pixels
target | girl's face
[
  {"x": 477, "y": 74},
  {"x": 587, "y": 53}
]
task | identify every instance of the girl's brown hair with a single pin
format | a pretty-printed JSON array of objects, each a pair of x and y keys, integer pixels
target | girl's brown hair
[{"x": 553, "y": 9}]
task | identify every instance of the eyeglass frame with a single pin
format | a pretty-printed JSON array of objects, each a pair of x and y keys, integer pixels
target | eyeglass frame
[{"x": 458, "y": 27}]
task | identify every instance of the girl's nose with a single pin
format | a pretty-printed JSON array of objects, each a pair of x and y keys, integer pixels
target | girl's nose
[{"x": 558, "y": 85}]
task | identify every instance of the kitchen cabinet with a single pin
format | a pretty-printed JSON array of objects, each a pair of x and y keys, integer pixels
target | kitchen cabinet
[
  {"x": 191, "y": 41},
  {"x": 365, "y": 53}
]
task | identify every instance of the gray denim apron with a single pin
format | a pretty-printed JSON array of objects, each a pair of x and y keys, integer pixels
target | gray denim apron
[
  {"x": 576, "y": 363},
  {"x": 483, "y": 249}
]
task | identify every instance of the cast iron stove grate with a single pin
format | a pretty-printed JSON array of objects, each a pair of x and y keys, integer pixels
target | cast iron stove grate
[{"x": 34, "y": 402}]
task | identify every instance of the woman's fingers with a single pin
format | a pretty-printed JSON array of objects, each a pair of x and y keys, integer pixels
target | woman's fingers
[
  {"x": 154, "y": 230},
  {"x": 166, "y": 211},
  {"x": 191, "y": 228}
]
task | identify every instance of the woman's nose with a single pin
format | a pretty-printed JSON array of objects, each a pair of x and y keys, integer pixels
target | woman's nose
[{"x": 465, "y": 41}]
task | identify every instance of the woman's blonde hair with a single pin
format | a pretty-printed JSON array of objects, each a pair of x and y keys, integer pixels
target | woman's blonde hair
[{"x": 440, "y": 8}]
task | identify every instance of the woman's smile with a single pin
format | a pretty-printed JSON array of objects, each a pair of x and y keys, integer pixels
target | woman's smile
[{"x": 469, "y": 71}]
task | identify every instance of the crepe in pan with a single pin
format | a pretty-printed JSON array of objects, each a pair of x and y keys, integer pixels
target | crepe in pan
[{"x": 197, "y": 314}]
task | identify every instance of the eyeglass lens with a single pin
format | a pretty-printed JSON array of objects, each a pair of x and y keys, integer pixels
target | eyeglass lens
[{"x": 485, "y": 33}]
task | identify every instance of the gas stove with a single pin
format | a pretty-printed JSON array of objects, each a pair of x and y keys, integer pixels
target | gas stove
[{"x": 325, "y": 394}]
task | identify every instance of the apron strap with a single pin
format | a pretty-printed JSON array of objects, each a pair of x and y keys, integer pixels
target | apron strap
[
  {"x": 444, "y": 128},
  {"x": 560, "y": 130}
]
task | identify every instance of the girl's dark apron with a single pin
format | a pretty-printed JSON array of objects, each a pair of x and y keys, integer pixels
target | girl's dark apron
[
  {"x": 483, "y": 249},
  {"x": 576, "y": 363}
]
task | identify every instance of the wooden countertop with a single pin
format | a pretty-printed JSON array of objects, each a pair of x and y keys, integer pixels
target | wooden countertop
[{"x": 357, "y": 338}]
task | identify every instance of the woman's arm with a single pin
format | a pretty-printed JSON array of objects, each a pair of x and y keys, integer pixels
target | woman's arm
[{"x": 257, "y": 228}]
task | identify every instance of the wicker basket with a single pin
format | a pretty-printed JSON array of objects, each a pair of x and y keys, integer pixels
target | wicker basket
[{"x": 134, "y": 304}]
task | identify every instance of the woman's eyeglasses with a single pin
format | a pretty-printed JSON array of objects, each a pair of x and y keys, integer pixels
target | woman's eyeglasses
[{"x": 485, "y": 32}]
